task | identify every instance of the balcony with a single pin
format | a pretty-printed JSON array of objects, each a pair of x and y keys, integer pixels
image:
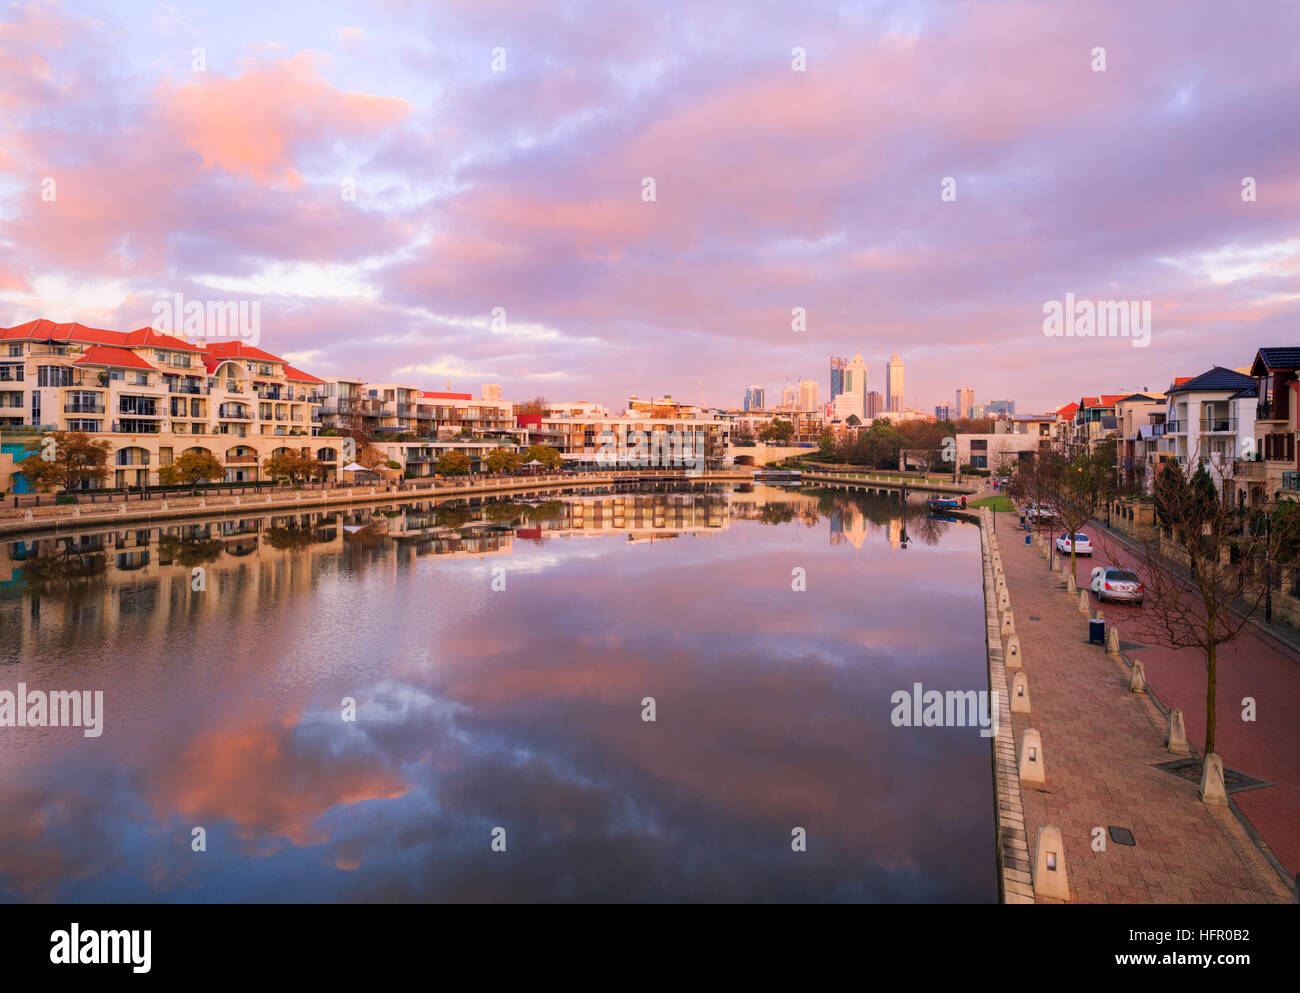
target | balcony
[
  {"x": 1291, "y": 480},
  {"x": 1175, "y": 427},
  {"x": 241, "y": 460},
  {"x": 1270, "y": 410},
  {"x": 186, "y": 388},
  {"x": 1250, "y": 469},
  {"x": 125, "y": 459},
  {"x": 228, "y": 412},
  {"x": 1218, "y": 425},
  {"x": 81, "y": 408}
]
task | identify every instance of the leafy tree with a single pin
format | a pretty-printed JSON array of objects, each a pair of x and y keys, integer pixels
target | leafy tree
[
  {"x": 503, "y": 460},
  {"x": 192, "y": 468},
  {"x": 66, "y": 459},
  {"x": 297, "y": 467},
  {"x": 543, "y": 453},
  {"x": 780, "y": 431},
  {"x": 537, "y": 405},
  {"x": 453, "y": 463},
  {"x": 826, "y": 444}
]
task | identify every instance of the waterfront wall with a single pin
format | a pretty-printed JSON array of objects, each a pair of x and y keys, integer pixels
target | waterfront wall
[{"x": 1015, "y": 881}]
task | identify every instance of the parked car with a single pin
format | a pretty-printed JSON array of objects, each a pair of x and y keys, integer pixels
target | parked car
[
  {"x": 1037, "y": 512},
  {"x": 1110, "y": 583},
  {"x": 1082, "y": 545}
]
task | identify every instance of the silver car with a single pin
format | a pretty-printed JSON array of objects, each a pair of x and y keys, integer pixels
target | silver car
[{"x": 1110, "y": 583}]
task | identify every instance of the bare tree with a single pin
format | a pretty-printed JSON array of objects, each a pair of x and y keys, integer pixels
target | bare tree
[{"x": 1207, "y": 564}]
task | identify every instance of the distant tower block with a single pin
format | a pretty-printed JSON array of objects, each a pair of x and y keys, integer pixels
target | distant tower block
[
  {"x": 1032, "y": 769},
  {"x": 1212, "y": 789},
  {"x": 1049, "y": 865},
  {"x": 1137, "y": 680},
  {"x": 1176, "y": 737},
  {"x": 1019, "y": 692},
  {"x": 1011, "y": 656}
]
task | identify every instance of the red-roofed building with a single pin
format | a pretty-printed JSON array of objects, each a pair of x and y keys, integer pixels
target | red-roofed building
[{"x": 154, "y": 396}]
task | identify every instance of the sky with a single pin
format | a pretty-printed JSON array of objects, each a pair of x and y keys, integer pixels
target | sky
[{"x": 500, "y": 229}]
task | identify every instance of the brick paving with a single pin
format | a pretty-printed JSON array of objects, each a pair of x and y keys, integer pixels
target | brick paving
[{"x": 1100, "y": 745}]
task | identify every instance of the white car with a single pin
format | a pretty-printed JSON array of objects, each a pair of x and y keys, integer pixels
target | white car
[
  {"x": 1110, "y": 583},
  {"x": 1038, "y": 512},
  {"x": 1082, "y": 546}
]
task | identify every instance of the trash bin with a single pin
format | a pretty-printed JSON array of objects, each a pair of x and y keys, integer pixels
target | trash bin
[
  {"x": 1029, "y": 538},
  {"x": 1097, "y": 631}
]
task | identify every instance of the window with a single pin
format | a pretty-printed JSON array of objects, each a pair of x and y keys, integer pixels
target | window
[
  {"x": 55, "y": 375},
  {"x": 15, "y": 351},
  {"x": 84, "y": 425}
]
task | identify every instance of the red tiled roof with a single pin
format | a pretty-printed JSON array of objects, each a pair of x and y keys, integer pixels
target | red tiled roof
[
  {"x": 1069, "y": 410},
  {"x": 43, "y": 330},
  {"x": 239, "y": 350},
  {"x": 119, "y": 358},
  {"x": 1179, "y": 380},
  {"x": 298, "y": 376}
]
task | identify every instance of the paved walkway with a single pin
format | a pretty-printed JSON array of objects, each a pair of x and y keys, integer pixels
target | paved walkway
[{"x": 1100, "y": 746}]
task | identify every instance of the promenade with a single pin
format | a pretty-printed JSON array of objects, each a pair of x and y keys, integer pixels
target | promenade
[
  {"x": 1101, "y": 745},
  {"x": 65, "y": 517}
]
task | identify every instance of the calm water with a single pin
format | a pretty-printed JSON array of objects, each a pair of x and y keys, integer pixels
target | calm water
[{"x": 518, "y": 709}]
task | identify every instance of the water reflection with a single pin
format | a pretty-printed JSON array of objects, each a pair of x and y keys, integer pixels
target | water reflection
[{"x": 519, "y": 708}]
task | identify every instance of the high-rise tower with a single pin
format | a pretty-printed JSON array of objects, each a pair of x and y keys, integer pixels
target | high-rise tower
[{"x": 894, "y": 386}]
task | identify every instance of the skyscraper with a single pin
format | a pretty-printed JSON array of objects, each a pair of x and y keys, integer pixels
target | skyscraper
[
  {"x": 754, "y": 398},
  {"x": 875, "y": 404},
  {"x": 965, "y": 402},
  {"x": 808, "y": 394},
  {"x": 1007, "y": 408},
  {"x": 894, "y": 386},
  {"x": 787, "y": 397},
  {"x": 837, "y": 376},
  {"x": 855, "y": 376},
  {"x": 943, "y": 412}
]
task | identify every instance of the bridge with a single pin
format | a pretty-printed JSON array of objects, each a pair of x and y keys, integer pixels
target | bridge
[{"x": 890, "y": 482}]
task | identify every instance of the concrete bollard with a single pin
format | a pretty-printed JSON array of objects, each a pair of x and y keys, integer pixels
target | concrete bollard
[
  {"x": 1019, "y": 692},
  {"x": 1011, "y": 656},
  {"x": 121, "y": 508},
  {"x": 1004, "y": 599},
  {"x": 202, "y": 502},
  {"x": 1137, "y": 679},
  {"x": 1085, "y": 605},
  {"x": 1212, "y": 789},
  {"x": 27, "y": 515},
  {"x": 164, "y": 505},
  {"x": 76, "y": 511},
  {"x": 236, "y": 501},
  {"x": 1176, "y": 736},
  {"x": 1070, "y": 586},
  {"x": 1008, "y": 622},
  {"x": 1050, "y": 879},
  {"x": 1032, "y": 769},
  {"x": 1112, "y": 642}
]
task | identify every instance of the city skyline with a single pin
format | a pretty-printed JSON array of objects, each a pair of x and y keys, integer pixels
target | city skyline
[{"x": 400, "y": 215}]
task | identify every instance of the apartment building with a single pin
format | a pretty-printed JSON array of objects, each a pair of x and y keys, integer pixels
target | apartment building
[
  {"x": 405, "y": 409},
  {"x": 1270, "y": 470},
  {"x": 1210, "y": 420},
  {"x": 154, "y": 396},
  {"x": 576, "y": 437},
  {"x": 1139, "y": 434}
]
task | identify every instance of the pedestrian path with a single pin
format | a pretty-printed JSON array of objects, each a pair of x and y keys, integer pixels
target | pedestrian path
[{"x": 1101, "y": 744}]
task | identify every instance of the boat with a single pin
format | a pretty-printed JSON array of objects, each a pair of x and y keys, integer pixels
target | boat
[{"x": 945, "y": 503}]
